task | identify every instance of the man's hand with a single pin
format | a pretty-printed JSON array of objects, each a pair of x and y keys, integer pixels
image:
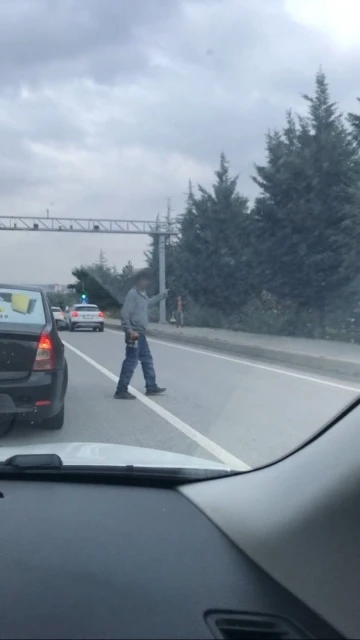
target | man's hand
[{"x": 133, "y": 335}]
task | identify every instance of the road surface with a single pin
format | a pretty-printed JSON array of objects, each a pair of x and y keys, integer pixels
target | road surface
[{"x": 239, "y": 411}]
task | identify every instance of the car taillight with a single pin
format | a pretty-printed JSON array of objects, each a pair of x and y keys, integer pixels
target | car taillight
[
  {"x": 45, "y": 357},
  {"x": 74, "y": 314},
  {"x": 101, "y": 315}
]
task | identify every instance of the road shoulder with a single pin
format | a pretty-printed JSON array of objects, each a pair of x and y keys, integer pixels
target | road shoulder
[{"x": 318, "y": 355}]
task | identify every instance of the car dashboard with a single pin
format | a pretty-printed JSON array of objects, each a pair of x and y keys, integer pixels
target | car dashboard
[{"x": 97, "y": 560}]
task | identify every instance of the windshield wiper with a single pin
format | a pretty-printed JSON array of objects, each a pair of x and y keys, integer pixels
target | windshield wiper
[
  {"x": 33, "y": 461},
  {"x": 39, "y": 462}
]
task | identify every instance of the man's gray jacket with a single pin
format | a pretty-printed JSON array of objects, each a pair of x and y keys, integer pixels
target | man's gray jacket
[{"x": 134, "y": 313}]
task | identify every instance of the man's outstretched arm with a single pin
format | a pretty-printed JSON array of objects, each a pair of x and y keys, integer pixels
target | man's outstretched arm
[{"x": 158, "y": 298}]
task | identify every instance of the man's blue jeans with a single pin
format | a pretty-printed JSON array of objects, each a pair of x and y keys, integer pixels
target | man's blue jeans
[{"x": 133, "y": 355}]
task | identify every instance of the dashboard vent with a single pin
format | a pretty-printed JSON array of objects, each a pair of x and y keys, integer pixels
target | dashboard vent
[{"x": 249, "y": 626}]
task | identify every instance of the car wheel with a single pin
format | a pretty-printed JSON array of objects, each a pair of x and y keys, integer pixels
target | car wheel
[
  {"x": 6, "y": 424},
  {"x": 95, "y": 329},
  {"x": 101, "y": 329},
  {"x": 55, "y": 422},
  {"x": 72, "y": 327}
]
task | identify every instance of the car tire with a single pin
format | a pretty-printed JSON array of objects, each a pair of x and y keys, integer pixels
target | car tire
[
  {"x": 55, "y": 422},
  {"x": 72, "y": 327},
  {"x": 101, "y": 329},
  {"x": 94, "y": 328},
  {"x": 6, "y": 424}
]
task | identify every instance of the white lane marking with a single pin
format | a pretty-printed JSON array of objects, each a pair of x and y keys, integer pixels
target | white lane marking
[
  {"x": 248, "y": 363},
  {"x": 207, "y": 444}
]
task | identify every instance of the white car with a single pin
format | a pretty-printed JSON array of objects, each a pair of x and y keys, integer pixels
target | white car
[
  {"x": 85, "y": 315},
  {"x": 59, "y": 317}
]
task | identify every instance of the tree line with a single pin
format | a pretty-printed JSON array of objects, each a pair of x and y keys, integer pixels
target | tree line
[{"x": 286, "y": 263}]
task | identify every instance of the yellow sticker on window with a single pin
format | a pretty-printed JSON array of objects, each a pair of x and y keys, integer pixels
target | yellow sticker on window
[{"x": 20, "y": 303}]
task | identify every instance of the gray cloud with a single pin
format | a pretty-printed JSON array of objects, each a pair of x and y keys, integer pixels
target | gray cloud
[
  {"x": 75, "y": 38},
  {"x": 107, "y": 108}
]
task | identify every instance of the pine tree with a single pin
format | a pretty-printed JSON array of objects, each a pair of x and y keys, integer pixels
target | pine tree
[
  {"x": 127, "y": 272},
  {"x": 102, "y": 260},
  {"x": 354, "y": 119},
  {"x": 306, "y": 216},
  {"x": 212, "y": 248},
  {"x": 103, "y": 285}
]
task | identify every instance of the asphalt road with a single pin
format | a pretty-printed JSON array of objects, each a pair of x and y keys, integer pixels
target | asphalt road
[{"x": 216, "y": 407}]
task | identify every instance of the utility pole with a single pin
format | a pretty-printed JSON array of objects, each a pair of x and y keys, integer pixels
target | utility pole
[{"x": 162, "y": 285}]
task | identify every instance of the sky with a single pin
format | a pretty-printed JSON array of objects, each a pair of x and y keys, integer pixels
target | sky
[{"x": 109, "y": 107}]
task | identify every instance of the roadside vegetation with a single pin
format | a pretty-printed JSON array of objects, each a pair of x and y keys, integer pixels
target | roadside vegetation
[{"x": 287, "y": 263}]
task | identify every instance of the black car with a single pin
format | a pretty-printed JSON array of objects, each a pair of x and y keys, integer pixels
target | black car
[{"x": 33, "y": 368}]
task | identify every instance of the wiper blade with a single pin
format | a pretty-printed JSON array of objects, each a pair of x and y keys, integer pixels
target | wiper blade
[
  {"x": 33, "y": 461},
  {"x": 53, "y": 463}
]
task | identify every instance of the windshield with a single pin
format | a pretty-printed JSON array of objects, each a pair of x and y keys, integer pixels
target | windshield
[{"x": 182, "y": 183}]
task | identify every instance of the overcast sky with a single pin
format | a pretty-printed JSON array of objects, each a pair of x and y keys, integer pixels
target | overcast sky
[{"x": 108, "y": 107}]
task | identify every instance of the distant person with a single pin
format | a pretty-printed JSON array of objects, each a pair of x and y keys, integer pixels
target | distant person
[
  {"x": 179, "y": 313},
  {"x": 134, "y": 316}
]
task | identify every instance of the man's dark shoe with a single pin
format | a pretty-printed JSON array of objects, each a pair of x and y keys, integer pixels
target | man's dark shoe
[
  {"x": 123, "y": 395},
  {"x": 154, "y": 391}
]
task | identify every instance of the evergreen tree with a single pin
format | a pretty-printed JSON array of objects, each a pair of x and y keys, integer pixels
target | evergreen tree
[
  {"x": 307, "y": 219},
  {"x": 126, "y": 278},
  {"x": 212, "y": 250},
  {"x": 103, "y": 285},
  {"x": 102, "y": 260},
  {"x": 354, "y": 119}
]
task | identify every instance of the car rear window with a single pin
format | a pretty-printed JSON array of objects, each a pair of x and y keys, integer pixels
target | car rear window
[
  {"x": 21, "y": 307},
  {"x": 55, "y": 309},
  {"x": 84, "y": 307}
]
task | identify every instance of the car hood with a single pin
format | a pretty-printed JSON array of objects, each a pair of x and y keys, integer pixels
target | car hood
[{"x": 100, "y": 454}]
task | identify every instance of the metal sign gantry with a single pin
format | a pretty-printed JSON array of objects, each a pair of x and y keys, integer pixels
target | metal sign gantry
[
  {"x": 99, "y": 226},
  {"x": 88, "y": 225}
]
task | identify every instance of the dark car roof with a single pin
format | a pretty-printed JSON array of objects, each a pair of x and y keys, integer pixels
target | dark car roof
[{"x": 22, "y": 287}]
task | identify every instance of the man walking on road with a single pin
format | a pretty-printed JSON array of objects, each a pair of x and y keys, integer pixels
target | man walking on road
[{"x": 134, "y": 321}]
